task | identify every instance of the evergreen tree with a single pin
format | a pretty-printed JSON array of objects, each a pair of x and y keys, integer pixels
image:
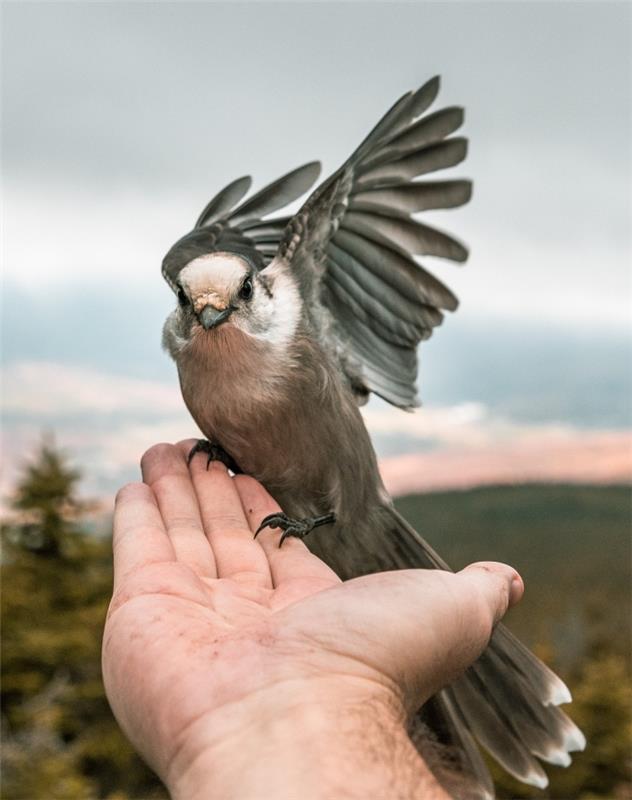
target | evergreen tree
[
  {"x": 47, "y": 496},
  {"x": 59, "y": 737},
  {"x": 602, "y": 708}
]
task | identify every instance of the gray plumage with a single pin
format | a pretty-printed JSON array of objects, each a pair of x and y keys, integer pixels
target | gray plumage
[{"x": 318, "y": 310}]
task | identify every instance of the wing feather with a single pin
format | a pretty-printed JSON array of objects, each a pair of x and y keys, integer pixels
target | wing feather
[
  {"x": 410, "y": 197},
  {"x": 386, "y": 226},
  {"x": 368, "y": 310},
  {"x": 428, "y": 159},
  {"x": 392, "y": 303},
  {"x": 242, "y": 230},
  {"x": 225, "y": 200},
  {"x": 429, "y": 130},
  {"x": 278, "y": 194},
  {"x": 352, "y": 244}
]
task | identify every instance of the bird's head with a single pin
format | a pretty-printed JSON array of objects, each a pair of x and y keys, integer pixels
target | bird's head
[
  {"x": 226, "y": 291},
  {"x": 217, "y": 288}
]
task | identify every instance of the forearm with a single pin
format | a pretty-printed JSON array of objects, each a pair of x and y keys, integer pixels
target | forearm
[{"x": 293, "y": 745}]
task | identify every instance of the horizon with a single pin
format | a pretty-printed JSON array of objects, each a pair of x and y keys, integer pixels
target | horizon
[{"x": 110, "y": 150}]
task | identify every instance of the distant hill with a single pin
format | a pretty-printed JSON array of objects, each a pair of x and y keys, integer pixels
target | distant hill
[{"x": 571, "y": 544}]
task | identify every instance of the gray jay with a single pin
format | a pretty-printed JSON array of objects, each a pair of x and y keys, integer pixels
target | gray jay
[{"x": 284, "y": 326}]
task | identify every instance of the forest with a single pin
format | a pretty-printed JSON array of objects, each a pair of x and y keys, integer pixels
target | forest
[{"x": 60, "y": 741}]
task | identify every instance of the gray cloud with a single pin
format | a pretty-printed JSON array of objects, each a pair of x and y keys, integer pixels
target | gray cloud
[
  {"x": 155, "y": 91},
  {"x": 121, "y": 119},
  {"x": 527, "y": 372}
]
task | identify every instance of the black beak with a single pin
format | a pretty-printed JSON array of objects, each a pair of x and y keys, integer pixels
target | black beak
[{"x": 212, "y": 317}]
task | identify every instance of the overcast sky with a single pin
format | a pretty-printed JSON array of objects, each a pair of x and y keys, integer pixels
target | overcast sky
[{"x": 121, "y": 120}]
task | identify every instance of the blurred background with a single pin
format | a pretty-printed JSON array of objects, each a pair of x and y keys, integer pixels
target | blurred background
[{"x": 120, "y": 121}]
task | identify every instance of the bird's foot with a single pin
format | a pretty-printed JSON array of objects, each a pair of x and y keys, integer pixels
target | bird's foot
[
  {"x": 215, "y": 452},
  {"x": 294, "y": 527}
]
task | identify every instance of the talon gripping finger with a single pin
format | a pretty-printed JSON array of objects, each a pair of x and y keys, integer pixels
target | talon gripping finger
[
  {"x": 276, "y": 520},
  {"x": 215, "y": 452},
  {"x": 298, "y": 528}
]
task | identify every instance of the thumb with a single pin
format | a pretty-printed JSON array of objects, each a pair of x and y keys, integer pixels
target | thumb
[
  {"x": 499, "y": 585},
  {"x": 419, "y": 629},
  {"x": 466, "y": 612}
]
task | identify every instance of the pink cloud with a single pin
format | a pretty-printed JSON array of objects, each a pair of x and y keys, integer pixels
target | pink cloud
[
  {"x": 470, "y": 444},
  {"x": 587, "y": 457}
]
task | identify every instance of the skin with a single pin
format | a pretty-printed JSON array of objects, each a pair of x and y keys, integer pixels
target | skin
[{"x": 239, "y": 669}]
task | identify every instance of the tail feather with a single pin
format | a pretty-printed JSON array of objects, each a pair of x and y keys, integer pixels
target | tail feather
[
  {"x": 508, "y": 700},
  {"x": 542, "y": 680},
  {"x": 446, "y": 745},
  {"x": 492, "y": 727}
]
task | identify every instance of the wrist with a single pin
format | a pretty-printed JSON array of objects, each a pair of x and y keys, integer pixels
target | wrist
[{"x": 314, "y": 740}]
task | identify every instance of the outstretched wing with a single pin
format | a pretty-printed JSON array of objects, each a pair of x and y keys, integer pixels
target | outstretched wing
[
  {"x": 352, "y": 245},
  {"x": 243, "y": 229}
]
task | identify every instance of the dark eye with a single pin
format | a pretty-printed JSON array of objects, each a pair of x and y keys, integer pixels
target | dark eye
[
  {"x": 182, "y": 298},
  {"x": 246, "y": 289}
]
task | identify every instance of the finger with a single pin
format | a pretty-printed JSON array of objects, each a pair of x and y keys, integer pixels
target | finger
[
  {"x": 295, "y": 571},
  {"x": 422, "y": 628},
  {"x": 500, "y": 585},
  {"x": 237, "y": 555},
  {"x": 460, "y": 611},
  {"x": 165, "y": 470},
  {"x": 139, "y": 537}
]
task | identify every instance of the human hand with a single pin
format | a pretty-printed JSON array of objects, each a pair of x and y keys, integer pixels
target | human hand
[{"x": 241, "y": 669}]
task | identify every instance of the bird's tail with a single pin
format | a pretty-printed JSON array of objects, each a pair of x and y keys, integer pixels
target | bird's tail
[{"x": 507, "y": 700}]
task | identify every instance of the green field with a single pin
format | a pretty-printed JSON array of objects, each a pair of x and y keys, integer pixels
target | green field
[{"x": 571, "y": 544}]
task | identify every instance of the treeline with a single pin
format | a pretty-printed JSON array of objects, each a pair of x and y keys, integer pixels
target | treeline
[{"x": 60, "y": 740}]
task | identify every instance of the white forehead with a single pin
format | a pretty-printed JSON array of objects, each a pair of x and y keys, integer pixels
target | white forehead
[{"x": 219, "y": 272}]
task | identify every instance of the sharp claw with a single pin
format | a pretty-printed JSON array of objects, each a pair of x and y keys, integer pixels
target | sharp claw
[
  {"x": 214, "y": 452},
  {"x": 201, "y": 446},
  {"x": 269, "y": 521},
  {"x": 192, "y": 453},
  {"x": 295, "y": 532},
  {"x": 287, "y": 533},
  {"x": 293, "y": 527}
]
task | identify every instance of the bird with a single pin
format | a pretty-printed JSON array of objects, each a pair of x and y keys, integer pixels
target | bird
[{"x": 283, "y": 328}]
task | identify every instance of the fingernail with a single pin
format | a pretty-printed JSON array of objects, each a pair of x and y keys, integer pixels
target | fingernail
[{"x": 516, "y": 590}]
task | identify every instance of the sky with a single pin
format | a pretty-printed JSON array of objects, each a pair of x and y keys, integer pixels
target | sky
[{"x": 121, "y": 120}]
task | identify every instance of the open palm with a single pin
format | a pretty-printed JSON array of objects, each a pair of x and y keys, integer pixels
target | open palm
[{"x": 207, "y": 624}]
